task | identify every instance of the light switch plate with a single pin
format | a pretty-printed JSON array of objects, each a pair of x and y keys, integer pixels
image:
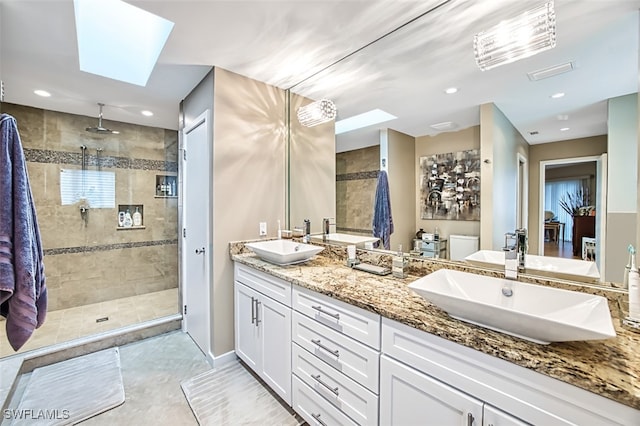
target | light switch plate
[{"x": 263, "y": 229}]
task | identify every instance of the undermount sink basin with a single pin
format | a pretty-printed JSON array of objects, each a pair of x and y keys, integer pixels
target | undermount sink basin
[
  {"x": 357, "y": 240},
  {"x": 557, "y": 267},
  {"x": 284, "y": 252},
  {"x": 536, "y": 313}
]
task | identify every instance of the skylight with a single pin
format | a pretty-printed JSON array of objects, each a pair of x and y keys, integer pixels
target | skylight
[
  {"x": 363, "y": 120},
  {"x": 118, "y": 40}
]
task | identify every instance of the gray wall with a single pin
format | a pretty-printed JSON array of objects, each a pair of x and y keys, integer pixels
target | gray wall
[
  {"x": 248, "y": 176},
  {"x": 500, "y": 143}
]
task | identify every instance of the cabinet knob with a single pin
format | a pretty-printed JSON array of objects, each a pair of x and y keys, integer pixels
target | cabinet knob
[{"x": 200, "y": 251}]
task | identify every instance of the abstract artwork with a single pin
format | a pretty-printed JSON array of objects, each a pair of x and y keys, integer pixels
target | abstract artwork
[{"x": 450, "y": 186}]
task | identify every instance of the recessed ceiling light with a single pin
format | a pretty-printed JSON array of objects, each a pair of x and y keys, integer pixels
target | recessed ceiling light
[
  {"x": 564, "y": 129},
  {"x": 451, "y": 90},
  {"x": 562, "y": 117},
  {"x": 557, "y": 95},
  {"x": 42, "y": 93},
  {"x": 146, "y": 113}
]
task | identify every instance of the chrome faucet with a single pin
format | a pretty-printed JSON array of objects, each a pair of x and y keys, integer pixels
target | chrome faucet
[
  {"x": 510, "y": 256},
  {"x": 307, "y": 231},
  {"x": 522, "y": 246},
  {"x": 326, "y": 224},
  {"x": 515, "y": 251}
]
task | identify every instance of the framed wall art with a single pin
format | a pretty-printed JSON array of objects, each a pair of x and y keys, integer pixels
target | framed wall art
[{"x": 450, "y": 186}]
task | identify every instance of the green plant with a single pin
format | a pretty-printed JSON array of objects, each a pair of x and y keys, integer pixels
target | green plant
[{"x": 573, "y": 202}]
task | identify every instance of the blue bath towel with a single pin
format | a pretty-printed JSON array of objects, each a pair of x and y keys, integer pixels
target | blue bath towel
[
  {"x": 382, "y": 220},
  {"x": 23, "y": 294}
]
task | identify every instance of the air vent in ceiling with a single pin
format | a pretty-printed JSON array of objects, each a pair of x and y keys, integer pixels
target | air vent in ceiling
[
  {"x": 550, "y": 71},
  {"x": 445, "y": 125},
  {"x": 535, "y": 132}
]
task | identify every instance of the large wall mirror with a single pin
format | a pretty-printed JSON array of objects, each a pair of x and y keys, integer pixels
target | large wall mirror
[{"x": 545, "y": 128}]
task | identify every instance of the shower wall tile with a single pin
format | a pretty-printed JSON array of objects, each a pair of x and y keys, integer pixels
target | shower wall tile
[
  {"x": 356, "y": 181},
  {"x": 90, "y": 261},
  {"x": 91, "y": 277}
]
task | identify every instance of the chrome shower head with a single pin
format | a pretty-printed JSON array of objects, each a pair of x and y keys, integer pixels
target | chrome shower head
[{"x": 99, "y": 128}]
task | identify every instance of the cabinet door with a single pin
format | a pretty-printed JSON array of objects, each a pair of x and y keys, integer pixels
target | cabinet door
[
  {"x": 275, "y": 341},
  {"x": 409, "y": 397},
  {"x": 246, "y": 328},
  {"x": 495, "y": 417}
]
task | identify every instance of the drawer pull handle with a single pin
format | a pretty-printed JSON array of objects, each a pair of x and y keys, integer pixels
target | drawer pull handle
[
  {"x": 470, "y": 419},
  {"x": 317, "y": 342},
  {"x": 317, "y": 419},
  {"x": 253, "y": 310},
  {"x": 322, "y": 311},
  {"x": 323, "y": 383}
]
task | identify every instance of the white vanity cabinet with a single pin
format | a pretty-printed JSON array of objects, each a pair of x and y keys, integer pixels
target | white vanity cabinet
[
  {"x": 336, "y": 355},
  {"x": 423, "y": 376},
  {"x": 409, "y": 397},
  {"x": 263, "y": 327}
]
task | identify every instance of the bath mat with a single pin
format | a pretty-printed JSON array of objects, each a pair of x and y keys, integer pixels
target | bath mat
[
  {"x": 70, "y": 391},
  {"x": 230, "y": 395}
]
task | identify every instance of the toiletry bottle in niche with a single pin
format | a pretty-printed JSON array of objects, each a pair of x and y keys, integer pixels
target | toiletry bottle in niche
[
  {"x": 173, "y": 188},
  {"x": 128, "y": 221},
  {"x": 121, "y": 219},
  {"x": 137, "y": 217},
  {"x": 436, "y": 235}
]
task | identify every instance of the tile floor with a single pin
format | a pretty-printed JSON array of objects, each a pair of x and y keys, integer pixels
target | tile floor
[
  {"x": 67, "y": 324},
  {"x": 152, "y": 370}
]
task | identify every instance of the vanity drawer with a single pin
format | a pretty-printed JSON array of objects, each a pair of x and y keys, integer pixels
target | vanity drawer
[
  {"x": 316, "y": 411},
  {"x": 342, "y": 392},
  {"x": 364, "y": 326},
  {"x": 354, "y": 359},
  {"x": 275, "y": 288}
]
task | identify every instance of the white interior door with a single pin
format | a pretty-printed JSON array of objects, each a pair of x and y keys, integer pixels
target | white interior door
[{"x": 196, "y": 254}]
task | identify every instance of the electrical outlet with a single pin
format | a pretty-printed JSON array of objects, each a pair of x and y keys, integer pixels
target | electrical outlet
[{"x": 263, "y": 229}]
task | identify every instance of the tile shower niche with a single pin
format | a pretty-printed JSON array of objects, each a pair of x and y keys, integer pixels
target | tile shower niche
[
  {"x": 166, "y": 186},
  {"x": 129, "y": 222}
]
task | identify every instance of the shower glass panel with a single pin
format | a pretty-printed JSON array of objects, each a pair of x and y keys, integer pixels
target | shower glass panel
[{"x": 109, "y": 224}]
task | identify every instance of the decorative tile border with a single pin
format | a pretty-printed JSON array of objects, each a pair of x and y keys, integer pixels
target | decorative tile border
[
  {"x": 107, "y": 247},
  {"x": 373, "y": 174},
  {"x": 63, "y": 157}
]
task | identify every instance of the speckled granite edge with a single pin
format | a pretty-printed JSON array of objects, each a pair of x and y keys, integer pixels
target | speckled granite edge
[{"x": 610, "y": 368}]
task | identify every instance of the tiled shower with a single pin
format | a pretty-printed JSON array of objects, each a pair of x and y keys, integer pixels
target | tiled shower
[{"x": 101, "y": 275}]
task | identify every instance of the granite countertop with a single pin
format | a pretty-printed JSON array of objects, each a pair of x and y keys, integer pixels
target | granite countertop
[{"x": 610, "y": 368}]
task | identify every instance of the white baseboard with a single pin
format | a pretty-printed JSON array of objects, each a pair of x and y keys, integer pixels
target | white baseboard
[{"x": 224, "y": 359}]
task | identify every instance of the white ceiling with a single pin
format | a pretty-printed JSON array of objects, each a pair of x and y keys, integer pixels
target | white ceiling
[{"x": 285, "y": 42}]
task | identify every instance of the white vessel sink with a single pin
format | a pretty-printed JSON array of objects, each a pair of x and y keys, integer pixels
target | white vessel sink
[
  {"x": 536, "y": 313},
  {"x": 358, "y": 240},
  {"x": 284, "y": 252},
  {"x": 557, "y": 267}
]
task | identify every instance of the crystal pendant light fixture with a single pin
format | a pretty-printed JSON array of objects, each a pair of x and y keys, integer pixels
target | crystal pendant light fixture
[
  {"x": 317, "y": 112},
  {"x": 532, "y": 32}
]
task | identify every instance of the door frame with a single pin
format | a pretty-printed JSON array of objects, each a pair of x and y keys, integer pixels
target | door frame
[
  {"x": 205, "y": 118},
  {"x": 522, "y": 191},
  {"x": 600, "y": 201}
]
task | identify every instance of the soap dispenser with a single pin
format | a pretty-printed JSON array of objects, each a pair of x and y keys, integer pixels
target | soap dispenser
[{"x": 399, "y": 264}]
